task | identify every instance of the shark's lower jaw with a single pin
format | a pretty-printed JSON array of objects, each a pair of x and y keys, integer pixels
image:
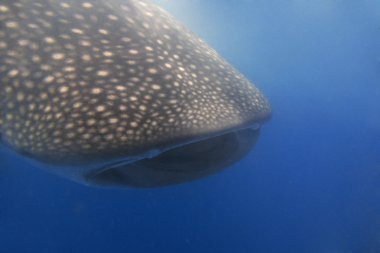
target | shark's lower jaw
[{"x": 181, "y": 164}]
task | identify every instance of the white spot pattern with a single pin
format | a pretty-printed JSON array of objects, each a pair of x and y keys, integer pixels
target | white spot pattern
[{"x": 77, "y": 77}]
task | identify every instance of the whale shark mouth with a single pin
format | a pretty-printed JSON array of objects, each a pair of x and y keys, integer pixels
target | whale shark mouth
[{"x": 180, "y": 164}]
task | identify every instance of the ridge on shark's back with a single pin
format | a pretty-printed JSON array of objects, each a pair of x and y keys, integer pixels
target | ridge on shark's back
[{"x": 119, "y": 93}]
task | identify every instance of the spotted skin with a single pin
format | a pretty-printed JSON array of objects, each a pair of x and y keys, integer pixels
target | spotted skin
[{"x": 87, "y": 82}]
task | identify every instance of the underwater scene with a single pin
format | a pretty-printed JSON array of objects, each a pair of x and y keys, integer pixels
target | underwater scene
[{"x": 190, "y": 126}]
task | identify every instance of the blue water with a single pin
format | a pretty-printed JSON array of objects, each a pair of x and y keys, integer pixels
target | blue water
[{"x": 312, "y": 184}]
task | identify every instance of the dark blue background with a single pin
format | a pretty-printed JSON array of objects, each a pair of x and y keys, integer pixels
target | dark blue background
[{"x": 311, "y": 185}]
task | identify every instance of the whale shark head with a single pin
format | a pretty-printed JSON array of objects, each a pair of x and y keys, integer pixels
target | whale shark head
[{"x": 118, "y": 92}]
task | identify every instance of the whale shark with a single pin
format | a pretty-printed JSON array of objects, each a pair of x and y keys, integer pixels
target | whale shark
[{"x": 120, "y": 93}]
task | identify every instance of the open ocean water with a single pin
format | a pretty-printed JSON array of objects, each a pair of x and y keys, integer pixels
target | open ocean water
[{"x": 311, "y": 185}]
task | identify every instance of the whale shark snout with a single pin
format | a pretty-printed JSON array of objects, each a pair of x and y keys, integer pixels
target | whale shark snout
[{"x": 120, "y": 93}]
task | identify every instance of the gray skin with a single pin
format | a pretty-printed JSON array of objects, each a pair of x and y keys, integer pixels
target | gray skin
[{"x": 118, "y": 92}]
